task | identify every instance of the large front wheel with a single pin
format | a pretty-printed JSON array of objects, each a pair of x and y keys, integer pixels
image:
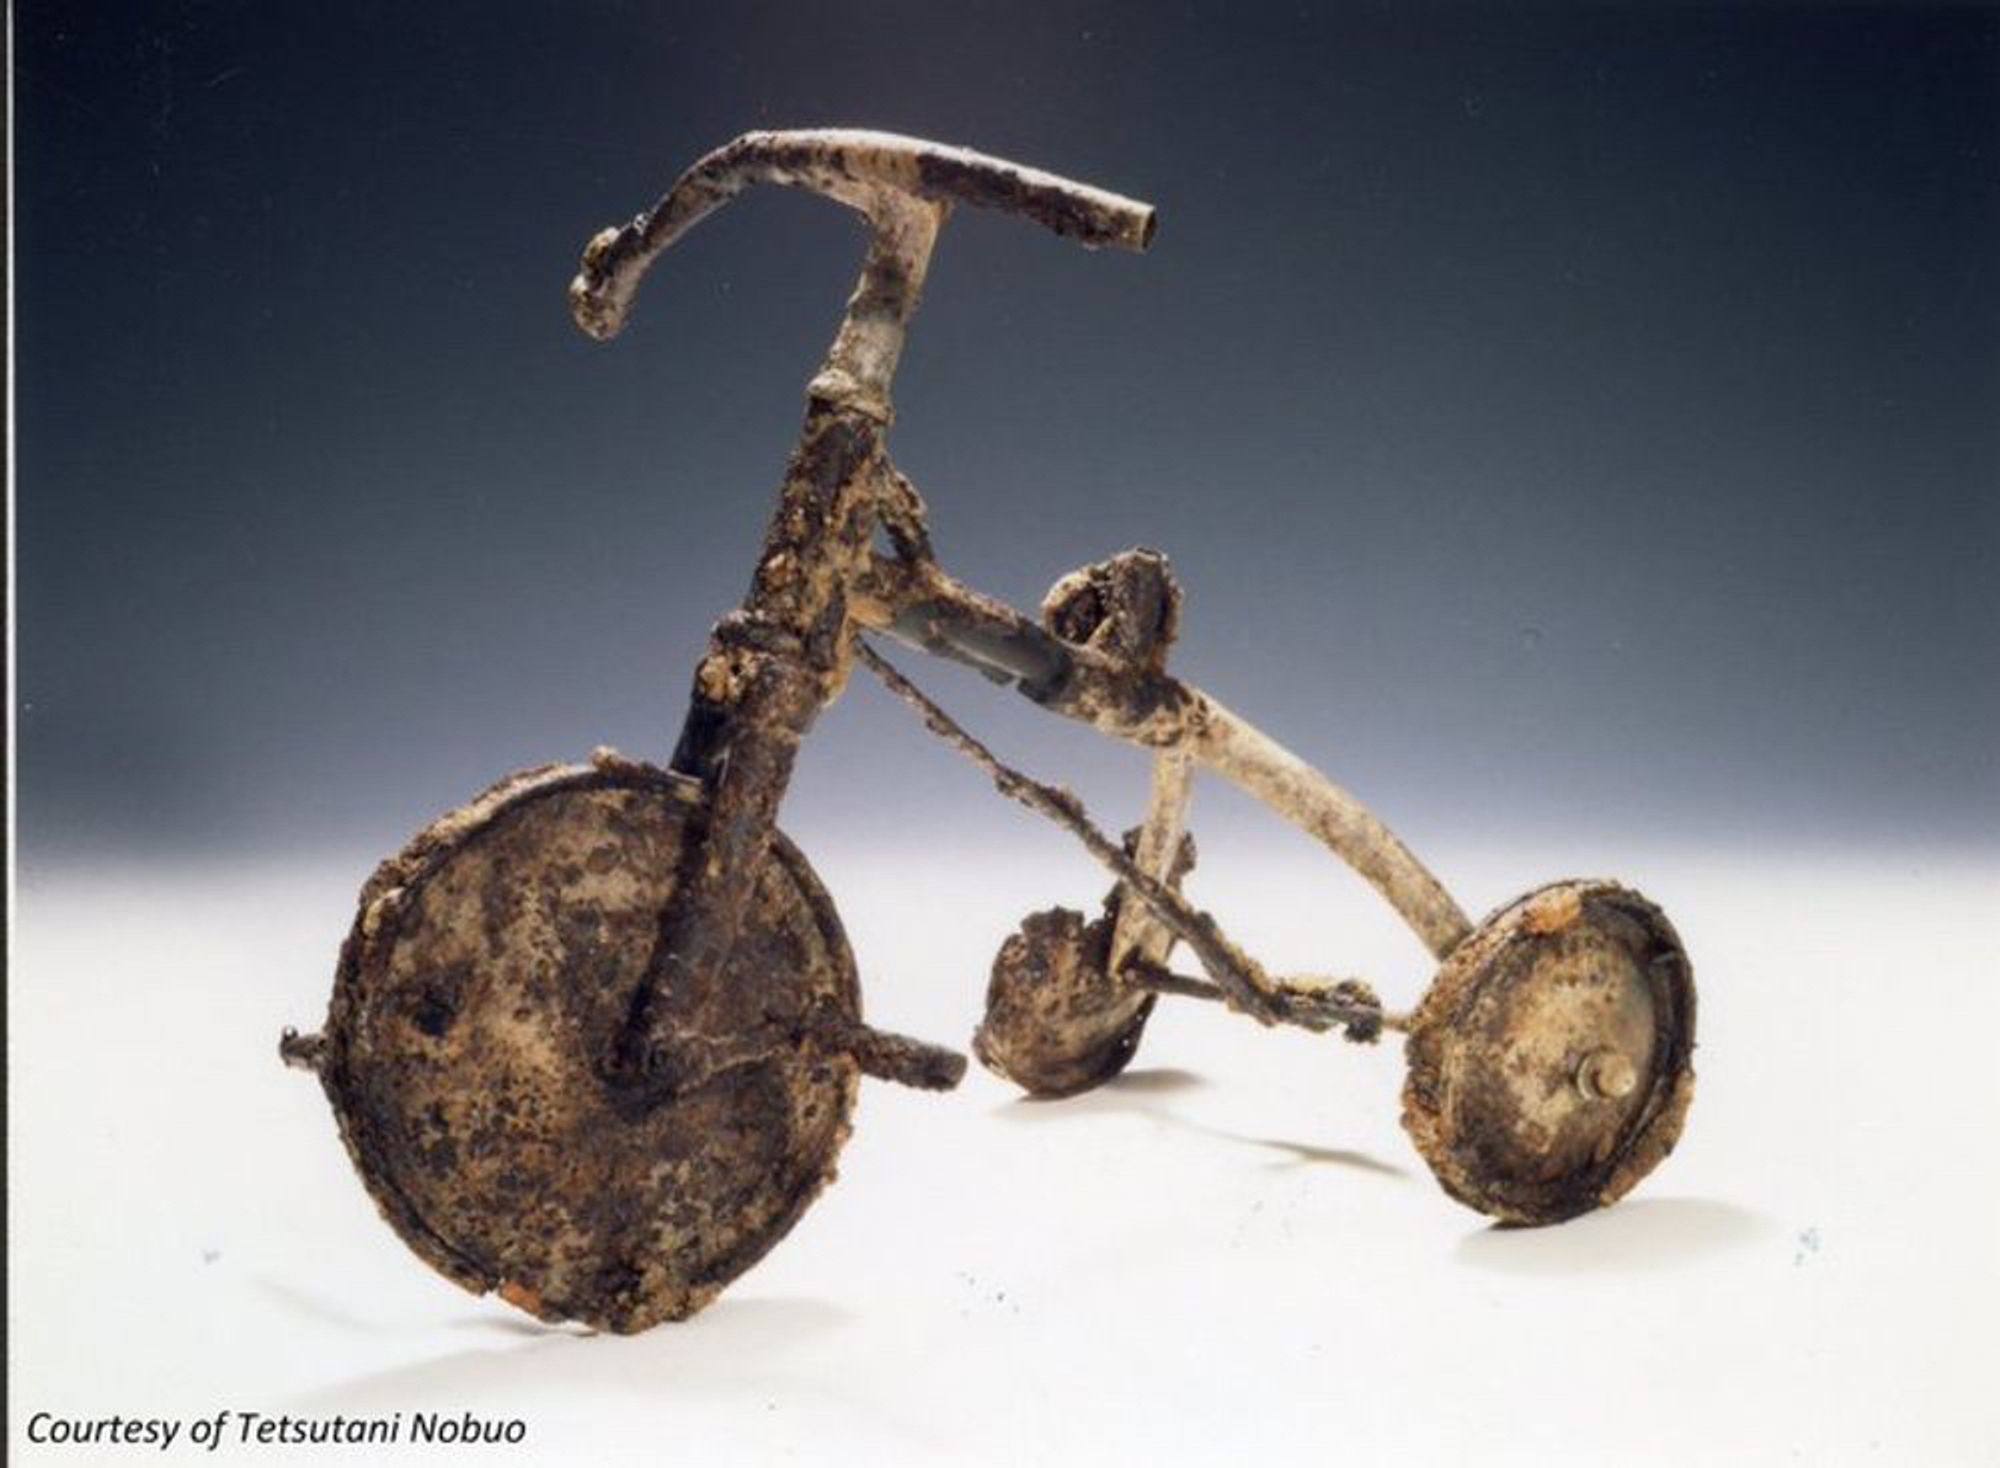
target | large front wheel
[{"x": 478, "y": 995}]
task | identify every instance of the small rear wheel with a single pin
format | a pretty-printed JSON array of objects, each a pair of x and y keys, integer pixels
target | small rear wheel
[
  {"x": 1057, "y": 1022},
  {"x": 1551, "y": 1061}
]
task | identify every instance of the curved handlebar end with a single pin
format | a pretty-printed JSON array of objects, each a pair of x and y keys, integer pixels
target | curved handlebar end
[{"x": 596, "y": 301}]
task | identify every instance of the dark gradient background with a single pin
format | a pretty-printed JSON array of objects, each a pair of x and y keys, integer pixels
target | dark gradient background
[{"x": 1559, "y": 418}]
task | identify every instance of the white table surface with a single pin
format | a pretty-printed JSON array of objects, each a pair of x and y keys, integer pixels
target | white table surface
[{"x": 1232, "y": 1254}]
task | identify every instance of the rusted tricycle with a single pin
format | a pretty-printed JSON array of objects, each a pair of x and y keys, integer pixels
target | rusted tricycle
[{"x": 596, "y": 1036}]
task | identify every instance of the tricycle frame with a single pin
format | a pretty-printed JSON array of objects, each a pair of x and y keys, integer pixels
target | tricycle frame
[{"x": 595, "y": 1036}]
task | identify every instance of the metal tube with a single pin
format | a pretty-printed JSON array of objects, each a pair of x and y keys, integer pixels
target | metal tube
[
  {"x": 922, "y": 606},
  {"x": 861, "y": 169}
]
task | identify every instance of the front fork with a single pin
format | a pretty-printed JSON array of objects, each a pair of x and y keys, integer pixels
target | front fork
[{"x": 770, "y": 668}]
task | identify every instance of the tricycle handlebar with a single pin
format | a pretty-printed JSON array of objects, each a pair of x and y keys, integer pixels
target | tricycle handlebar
[{"x": 873, "y": 172}]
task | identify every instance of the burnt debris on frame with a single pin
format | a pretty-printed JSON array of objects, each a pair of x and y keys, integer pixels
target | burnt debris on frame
[{"x": 596, "y": 1036}]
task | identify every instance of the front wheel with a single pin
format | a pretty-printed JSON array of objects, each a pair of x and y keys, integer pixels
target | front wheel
[{"x": 491, "y": 965}]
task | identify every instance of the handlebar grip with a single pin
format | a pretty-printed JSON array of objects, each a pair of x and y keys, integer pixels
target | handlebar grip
[{"x": 864, "y": 170}]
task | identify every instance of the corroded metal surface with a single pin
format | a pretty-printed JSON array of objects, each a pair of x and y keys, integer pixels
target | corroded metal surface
[
  {"x": 1057, "y": 1023},
  {"x": 491, "y": 964},
  {"x": 864, "y": 170},
  {"x": 1318, "y": 1004},
  {"x": 782, "y": 656},
  {"x": 595, "y": 1037},
  {"x": 785, "y": 654},
  {"x": 1129, "y": 608},
  {"x": 919, "y": 604},
  {"x": 1139, "y": 933},
  {"x": 1061, "y": 1016},
  {"x": 1551, "y": 1062},
  {"x": 1244, "y": 983}
]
